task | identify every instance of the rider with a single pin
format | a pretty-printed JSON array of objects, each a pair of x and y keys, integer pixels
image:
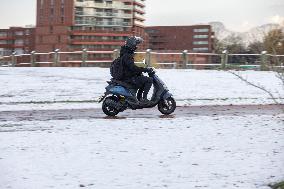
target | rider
[{"x": 132, "y": 73}]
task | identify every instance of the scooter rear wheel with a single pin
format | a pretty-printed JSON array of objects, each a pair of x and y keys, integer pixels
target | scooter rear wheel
[
  {"x": 167, "y": 106},
  {"x": 107, "y": 107}
]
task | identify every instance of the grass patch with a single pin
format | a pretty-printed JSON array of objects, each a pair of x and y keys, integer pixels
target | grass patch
[{"x": 279, "y": 185}]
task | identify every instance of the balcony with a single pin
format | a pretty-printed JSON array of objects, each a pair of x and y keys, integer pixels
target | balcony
[
  {"x": 139, "y": 17},
  {"x": 102, "y": 15},
  {"x": 138, "y": 23},
  {"x": 19, "y": 46},
  {"x": 100, "y": 33},
  {"x": 103, "y": 23},
  {"x": 140, "y": 3},
  {"x": 91, "y": 4},
  {"x": 125, "y": 7},
  {"x": 7, "y": 38},
  {"x": 125, "y": 16},
  {"x": 93, "y": 42},
  {"x": 88, "y": 14},
  {"x": 141, "y": 11},
  {"x": 7, "y": 46}
]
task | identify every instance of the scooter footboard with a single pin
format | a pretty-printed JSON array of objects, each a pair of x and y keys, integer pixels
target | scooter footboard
[{"x": 119, "y": 90}]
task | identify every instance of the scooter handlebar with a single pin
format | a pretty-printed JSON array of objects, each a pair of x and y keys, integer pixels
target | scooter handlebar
[{"x": 150, "y": 70}]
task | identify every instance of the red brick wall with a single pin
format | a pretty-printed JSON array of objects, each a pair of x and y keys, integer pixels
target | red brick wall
[
  {"x": 53, "y": 25},
  {"x": 49, "y": 38},
  {"x": 177, "y": 37},
  {"x": 47, "y": 16}
]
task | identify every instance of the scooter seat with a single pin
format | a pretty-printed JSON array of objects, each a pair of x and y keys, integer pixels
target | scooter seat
[{"x": 121, "y": 83}]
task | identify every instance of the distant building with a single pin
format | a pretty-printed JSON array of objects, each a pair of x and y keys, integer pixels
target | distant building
[
  {"x": 196, "y": 38},
  {"x": 17, "y": 39},
  {"x": 101, "y": 25},
  {"x": 71, "y": 25}
]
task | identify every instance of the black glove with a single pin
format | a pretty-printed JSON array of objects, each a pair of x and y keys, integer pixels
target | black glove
[{"x": 149, "y": 70}]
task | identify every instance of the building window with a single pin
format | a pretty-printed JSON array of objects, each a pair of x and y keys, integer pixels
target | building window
[
  {"x": 28, "y": 32},
  {"x": 151, "y": 31},
  {"x": 50, "y": 29},
  {"x": 3, "y": 34},
  {"x": 201, "y": 30},
  {"x": 200, "y": 49},
  {"x": 40, "y": 39},
  {"x": 62, "y": 8},
  {"x": 41, "y": 4},
  {"x": 19, "y": 51},
  {"x": 27, "y": 41},
  {"x": 51, "y": 16},
  {"x": 200, "y": 36},
  {"x": 200, "y": 42},
  {"x": 19, "y": 42},
  {"x": 51, "y": 10},
  {"x": 19, "y": 33},
  {"x": 2, "y": 42},
  {"x": 62, "y": 20}
]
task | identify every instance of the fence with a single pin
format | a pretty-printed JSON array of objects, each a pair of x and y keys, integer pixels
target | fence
[{"x": 160, "y": 59}]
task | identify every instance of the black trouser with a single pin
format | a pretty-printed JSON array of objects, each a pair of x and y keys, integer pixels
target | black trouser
[{"x": 141, "y": 82}]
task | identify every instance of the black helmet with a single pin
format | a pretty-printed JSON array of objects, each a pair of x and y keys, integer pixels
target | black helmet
[{"x": 132, "y": 42}]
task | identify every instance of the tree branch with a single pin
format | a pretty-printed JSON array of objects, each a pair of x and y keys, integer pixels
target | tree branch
[{"x": 256, "y": 86}]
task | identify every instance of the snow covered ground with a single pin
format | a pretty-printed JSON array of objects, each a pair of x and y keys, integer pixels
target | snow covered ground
[
  {"x": 198, "y": 152},
  {"x": 211, "y": 152},
  {"x": 68, "y": 85}
]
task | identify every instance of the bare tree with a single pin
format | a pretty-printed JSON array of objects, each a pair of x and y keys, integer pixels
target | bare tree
[{"x": 274, "y": 44}]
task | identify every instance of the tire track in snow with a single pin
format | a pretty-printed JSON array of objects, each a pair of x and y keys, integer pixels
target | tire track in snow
[{"x": 96, "y": 113}]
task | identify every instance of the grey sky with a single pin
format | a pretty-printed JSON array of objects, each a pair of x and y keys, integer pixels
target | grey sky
[{"x": 238, "y": 15}]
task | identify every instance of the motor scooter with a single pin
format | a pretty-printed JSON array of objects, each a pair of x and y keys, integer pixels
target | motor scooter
[{"x": 120, "y": 96}]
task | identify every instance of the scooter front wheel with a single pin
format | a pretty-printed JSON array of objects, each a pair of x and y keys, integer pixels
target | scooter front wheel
[
  {"x": 167, "y": 106},
  {"x": 108, "y": 107}
]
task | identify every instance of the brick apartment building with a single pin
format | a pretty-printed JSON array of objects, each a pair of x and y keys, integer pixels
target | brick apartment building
[
  {"x": 72, "y": 25},
  {"x": 196, "y": 38},
  {"x": 17, "y": 39}
]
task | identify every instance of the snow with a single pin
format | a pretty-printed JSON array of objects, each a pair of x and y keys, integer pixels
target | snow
[
  {"x": 198, "y": 152},
  {"x": 177, "y": 153},
  {"x": 63, "y": 87}
]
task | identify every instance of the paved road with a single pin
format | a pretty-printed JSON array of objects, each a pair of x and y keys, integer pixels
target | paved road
[{"x": 189, "y": 111}]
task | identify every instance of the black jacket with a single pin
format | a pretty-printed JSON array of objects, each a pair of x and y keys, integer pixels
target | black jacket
[{"x": 129, "y": 68}]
